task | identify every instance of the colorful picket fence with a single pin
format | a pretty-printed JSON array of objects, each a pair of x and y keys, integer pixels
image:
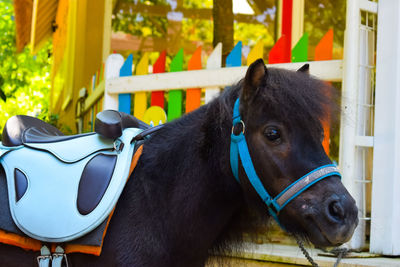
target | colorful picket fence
[
  {"x": 148, "y": 95},
  {"x": 177, "y": 101}
]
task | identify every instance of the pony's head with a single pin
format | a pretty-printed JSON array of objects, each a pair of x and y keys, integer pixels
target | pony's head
[{"x": 282, "y": 112}]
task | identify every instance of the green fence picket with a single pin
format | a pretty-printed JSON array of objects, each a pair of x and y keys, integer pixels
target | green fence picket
[{"x": 175, "y": 96}]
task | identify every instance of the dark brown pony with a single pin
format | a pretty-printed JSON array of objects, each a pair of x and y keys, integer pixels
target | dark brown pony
[{"x": 183, "y": 202}]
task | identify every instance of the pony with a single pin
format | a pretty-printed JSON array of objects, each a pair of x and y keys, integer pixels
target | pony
[{"x": 182, "y": 202}]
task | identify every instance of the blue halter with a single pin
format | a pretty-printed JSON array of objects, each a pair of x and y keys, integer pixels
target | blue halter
[{"x": 275, "y": 205}]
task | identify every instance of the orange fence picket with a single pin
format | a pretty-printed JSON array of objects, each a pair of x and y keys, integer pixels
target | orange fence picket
[{"x": 193, "y": 95}]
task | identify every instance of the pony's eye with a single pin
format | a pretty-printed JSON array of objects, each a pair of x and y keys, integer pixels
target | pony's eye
[{"x": 273, "y": 134}]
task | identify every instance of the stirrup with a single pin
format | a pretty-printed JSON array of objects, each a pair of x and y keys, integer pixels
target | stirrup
[
  {"x": 58, "y": 256},
  {"x": 56, "y": 259},
  {"x": 45, "y": 257}
]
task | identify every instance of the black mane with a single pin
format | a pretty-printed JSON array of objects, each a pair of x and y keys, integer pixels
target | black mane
[{"x": 293, "y": 97}]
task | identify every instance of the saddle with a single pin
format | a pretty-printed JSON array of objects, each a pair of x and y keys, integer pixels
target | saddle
[{"x": 60, "y": 188}]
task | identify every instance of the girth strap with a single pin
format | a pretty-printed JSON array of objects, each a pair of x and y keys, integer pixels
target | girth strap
[{"x": 239, "y": 149}]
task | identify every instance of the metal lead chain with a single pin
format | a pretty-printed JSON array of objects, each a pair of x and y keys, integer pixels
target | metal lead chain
[
  {"x": 305, "y": 253},
  {"x": 338, "y": 252}
]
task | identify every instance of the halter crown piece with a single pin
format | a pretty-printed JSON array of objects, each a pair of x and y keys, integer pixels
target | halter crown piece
[{"x": 240, "y": 150}]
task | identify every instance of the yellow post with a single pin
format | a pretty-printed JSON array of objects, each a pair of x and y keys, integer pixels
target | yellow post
[
  {"x": 108, "y": 7},
  {"x": 80, "y": 53}
]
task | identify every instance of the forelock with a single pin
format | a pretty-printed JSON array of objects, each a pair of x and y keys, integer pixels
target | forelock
[{"x": 297, "y": 98}]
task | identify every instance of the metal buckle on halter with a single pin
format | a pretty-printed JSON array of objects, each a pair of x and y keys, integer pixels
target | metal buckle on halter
[
  {"x": 272, "y": 206},
  {"x": 267, "y": 201},
  {"x": 237, "y": 123}
]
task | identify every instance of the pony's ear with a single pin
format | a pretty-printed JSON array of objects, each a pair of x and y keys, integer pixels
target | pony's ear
[
  {"x": 305, "y": 68},
  {"x": 253, "y": 79}
]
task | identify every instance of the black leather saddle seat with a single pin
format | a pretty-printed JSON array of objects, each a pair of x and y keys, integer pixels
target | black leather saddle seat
[
  {"x": 22, "y": 129},
  {"x": 111, "y": 123}
]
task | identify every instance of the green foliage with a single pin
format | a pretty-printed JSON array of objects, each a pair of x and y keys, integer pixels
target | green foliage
[
  {"x": 140, "y": 24},
  {"x": 24, "y": 78},
  {"x": 322, "y": 15},
  {"x": 250, "y": 34},
  {"x": 197, "y": 3}
]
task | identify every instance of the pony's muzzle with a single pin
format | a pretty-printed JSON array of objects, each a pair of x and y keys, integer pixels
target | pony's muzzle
[
  {"x": 335, "y": 211},
  {"x": 340, "y": 208},
  {"x": 340, "y": 212}
]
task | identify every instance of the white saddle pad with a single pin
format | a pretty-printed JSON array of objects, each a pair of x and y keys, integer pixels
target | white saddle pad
[{"x": 48, "y": 210}]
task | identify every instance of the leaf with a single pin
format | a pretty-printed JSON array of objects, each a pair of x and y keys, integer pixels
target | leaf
[{"x": 2, "y": 95}]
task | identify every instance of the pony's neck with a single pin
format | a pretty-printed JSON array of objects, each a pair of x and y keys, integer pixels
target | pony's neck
[
  {"x": 186, "y": 171},
  {"x": 182, "y": 197}
]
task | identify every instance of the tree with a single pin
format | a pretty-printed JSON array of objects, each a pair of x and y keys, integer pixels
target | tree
[
  {"x": 223, "y": 25},
  {"x": 24, "y": 78}
]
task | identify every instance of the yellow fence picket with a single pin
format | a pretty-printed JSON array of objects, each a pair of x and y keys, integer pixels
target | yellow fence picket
[
  {"x": 255, "y": 53},
  {"x": 140, "y": 104}
]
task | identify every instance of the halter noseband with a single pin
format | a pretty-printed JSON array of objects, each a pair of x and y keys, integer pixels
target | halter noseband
[{"x": 275, "y": 205}]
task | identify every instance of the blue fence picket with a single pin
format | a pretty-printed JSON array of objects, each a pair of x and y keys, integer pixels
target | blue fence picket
[
  {"x": 234, "y": 59},
  {"x": 124, "y": 100}
]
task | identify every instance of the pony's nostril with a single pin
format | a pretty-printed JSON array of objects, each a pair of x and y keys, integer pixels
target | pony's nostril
[{"x": 336, "y": 210}]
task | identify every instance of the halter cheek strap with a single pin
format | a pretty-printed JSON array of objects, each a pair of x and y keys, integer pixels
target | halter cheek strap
[{"x": 239, "y": 149}]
